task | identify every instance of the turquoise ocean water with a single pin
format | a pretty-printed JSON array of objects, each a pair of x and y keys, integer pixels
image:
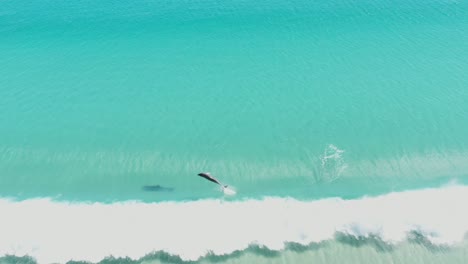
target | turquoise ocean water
[{"x": 341, "y": 125}]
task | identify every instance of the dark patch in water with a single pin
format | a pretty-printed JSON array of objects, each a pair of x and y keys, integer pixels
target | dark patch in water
[
  {"x": 376, "y": 242},
  {"x": 17, "y": 260},
  {"x": 157, "y": 188},
  {"x": 164, "y": 257},
  {"x": 418, "y": 238},
  {"x": 155, "y": 256},
  {"x": 254, "y": 249},
  {"x": 112, "y": 260},
  {"x": 359, "y": 241},
  {"x": 299, "y": 248}
]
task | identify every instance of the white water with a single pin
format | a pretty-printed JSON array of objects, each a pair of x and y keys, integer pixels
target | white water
[
  {"x": 53, "y": 231},
  {"x": 229, "y": 191}
]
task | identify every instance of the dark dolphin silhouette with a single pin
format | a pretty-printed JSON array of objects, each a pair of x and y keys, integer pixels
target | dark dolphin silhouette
[
  {"x": 157, "y": 188},
  {"x": 207, "y": 176}
]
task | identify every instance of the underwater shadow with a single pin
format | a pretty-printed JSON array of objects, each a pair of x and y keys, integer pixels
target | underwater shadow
[{"x": 156, "y": 188}]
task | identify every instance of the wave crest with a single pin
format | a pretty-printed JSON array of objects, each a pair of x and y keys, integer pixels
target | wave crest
[{"x": 190, "y": 230}]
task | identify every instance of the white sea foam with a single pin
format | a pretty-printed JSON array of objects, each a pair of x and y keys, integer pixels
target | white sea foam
[
  {"x": 332, "y": 163},
  {"x": 54, "y": 231},
  {"x": 229, "y": 190}
]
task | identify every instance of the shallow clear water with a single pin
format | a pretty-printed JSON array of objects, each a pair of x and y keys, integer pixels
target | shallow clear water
[{"x": 301, "y": 99}]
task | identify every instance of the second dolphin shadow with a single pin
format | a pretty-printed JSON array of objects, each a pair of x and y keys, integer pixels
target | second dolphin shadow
[{"x": 157, "y": 188}]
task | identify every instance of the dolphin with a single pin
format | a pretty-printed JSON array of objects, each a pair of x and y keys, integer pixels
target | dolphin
[
  {"x": 157, "y": 188},
  {"x": 207, "y": 176}
]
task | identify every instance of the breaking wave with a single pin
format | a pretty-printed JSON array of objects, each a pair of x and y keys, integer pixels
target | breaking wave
[{"x": 185, "y": 231}]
